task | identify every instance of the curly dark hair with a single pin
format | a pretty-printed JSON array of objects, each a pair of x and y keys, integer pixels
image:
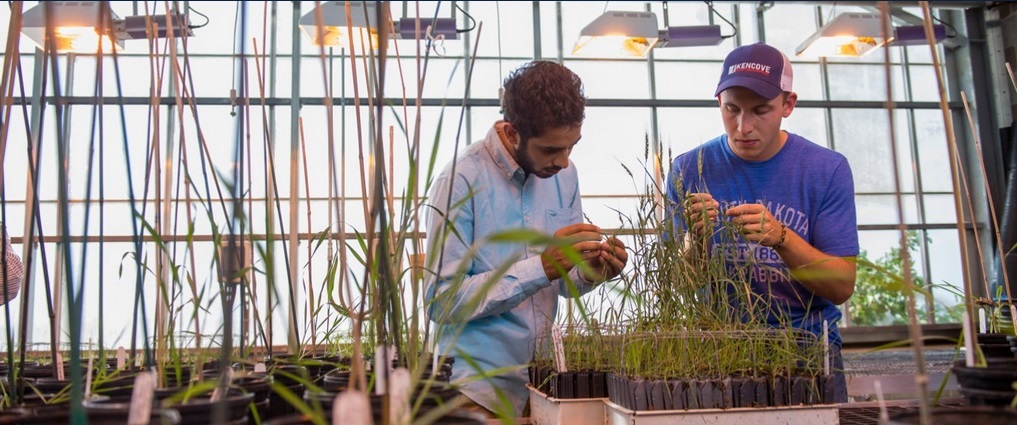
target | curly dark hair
[{"x": 543, "y": 95}]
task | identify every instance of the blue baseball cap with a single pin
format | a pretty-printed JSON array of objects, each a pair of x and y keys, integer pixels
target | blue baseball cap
[{"x": 757, "y": 67}]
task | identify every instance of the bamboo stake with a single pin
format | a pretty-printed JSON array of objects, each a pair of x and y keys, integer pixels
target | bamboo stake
[
  {"x": 259, "y": 71},
  {"x": 359, "y": 381},
  {"x": 951, "y": 147},
  {"x": 962, "y": 174},
  {"x": 177, "y": 86},
  {"x": 914, "y": 328},
  {"x": 311, "y": 306},
  {"x": 992, "y": 207},
  {"x": 154, "y": 162},
  {"x": 183, "y": 97},
  {"x": 6, "y": 105},
  {"x": 247, "y": 285},
  {"x": 418, "y": 249},
  {"x": 327, "y": 84}
]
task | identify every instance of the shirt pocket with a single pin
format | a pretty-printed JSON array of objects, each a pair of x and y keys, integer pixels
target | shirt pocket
[{"x": 556, "y": 218}]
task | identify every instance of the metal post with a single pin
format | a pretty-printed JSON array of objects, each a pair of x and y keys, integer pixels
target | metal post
[
  {"x": 294, "y": 177},
  {"x": 270, "y": 189}
]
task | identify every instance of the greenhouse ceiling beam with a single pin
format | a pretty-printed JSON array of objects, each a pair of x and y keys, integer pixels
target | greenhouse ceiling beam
[{"x": 625, "y": 103}]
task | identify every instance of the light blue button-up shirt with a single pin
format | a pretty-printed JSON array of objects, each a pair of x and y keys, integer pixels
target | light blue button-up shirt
[{"x": 497, "y": 298}]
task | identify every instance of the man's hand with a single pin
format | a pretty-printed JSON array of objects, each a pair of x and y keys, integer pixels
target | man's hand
[
  {"x": 757, "y": 224},
  {"x": 586, "y": 240},
  {"x": 701, "y": 210},
  {"x": 610, "y": 263}
]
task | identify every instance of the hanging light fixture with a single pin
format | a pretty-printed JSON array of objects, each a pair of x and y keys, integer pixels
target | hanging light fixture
[
  {"x": 333, "y": 31},
  {"x": 618, "y": 33},
  {"x": 78, "y": 26},
  {"x": 633, "y": 34},
  {"x": 857, "y": 34},
  {"x": 852, "y": 34}
]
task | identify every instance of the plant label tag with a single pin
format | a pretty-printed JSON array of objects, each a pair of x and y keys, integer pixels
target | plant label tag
[
  {"x": 559, "y": 349},
  {"x": 121, "y": 357},
  {"x": 88, "y": 374},
  {"x": 399, "y": 396},
  {"x": 826, "y": 347},
  {"x": 60, "y": 367},
  {"x": 1013, "y": 316},
  {"x": 220, "y": 390},
  {"x": 969, "y": 345},
  {"x": 260, "y": 368},
  {"x": 387, "y": 354},
  {"x": 352, "y": 407},
  {"x": 981, "y": 321},
  {"x": 141, "y": 399}
]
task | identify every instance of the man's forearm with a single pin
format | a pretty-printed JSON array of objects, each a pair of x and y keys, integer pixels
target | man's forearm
[{"x": 825, "y": 275}]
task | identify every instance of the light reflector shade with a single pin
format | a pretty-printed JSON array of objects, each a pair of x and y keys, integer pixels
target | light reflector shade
[
  {"x": 618, "y": 33},
  {"x": 847, "y": 35},
  {"x": 333, "y": 32},
  {"x": 77, "y": 26}
]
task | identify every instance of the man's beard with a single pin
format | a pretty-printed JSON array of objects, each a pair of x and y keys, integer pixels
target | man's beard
[{"x": 522, "y": 158}]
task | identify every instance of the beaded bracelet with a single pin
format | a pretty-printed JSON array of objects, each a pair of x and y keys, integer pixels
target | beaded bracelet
[{"x": 783, "y": 236}]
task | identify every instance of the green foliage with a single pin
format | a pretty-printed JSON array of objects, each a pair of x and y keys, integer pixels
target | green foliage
[{"x": 880, "y": 296}]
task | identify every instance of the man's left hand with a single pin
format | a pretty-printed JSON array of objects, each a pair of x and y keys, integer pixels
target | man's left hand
[{"x": 609, "y": 263}]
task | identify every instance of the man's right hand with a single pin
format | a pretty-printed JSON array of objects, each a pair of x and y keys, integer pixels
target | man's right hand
[
  {"x": 586, "y": 240},
  {"x": 701, "y": 210}
]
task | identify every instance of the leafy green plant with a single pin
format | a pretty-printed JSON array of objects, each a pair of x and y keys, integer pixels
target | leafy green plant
[{"x": 880, "y": 299}]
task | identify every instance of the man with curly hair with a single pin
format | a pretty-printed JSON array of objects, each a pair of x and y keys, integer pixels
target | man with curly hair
[{"x": 491, "y": 300}]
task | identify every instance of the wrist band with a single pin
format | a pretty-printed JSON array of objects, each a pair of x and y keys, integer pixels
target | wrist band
[{"x": 783, "y": 236}]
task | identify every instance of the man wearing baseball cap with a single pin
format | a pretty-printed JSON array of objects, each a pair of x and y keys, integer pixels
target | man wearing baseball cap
[{"x": 790, "y": 201}]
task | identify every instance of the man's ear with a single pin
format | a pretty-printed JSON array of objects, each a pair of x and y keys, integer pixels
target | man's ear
[
  {"x": 510, "y": 133},
  {"x": 789, "y": 104}
]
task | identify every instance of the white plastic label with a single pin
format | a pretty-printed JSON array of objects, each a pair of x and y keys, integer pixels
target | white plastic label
[
  {"x": 141, "y": 399},
  {"x": 383, "y": 370},
  {"x": 352, "y": 407},
  {"x": 559, "y": 349},
  {"x": 981, "y": 321},
  {"x": 88, "y": 374},
  {"x": 826, "y": 347},
  {"x": 969, "y": 346},
  {"x": 260, "y": 367},
  {"x": 399, "y": 396},
  {"x": 121, "y": 358}
]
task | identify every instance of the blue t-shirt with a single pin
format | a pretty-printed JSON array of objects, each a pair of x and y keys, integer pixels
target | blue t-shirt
[{"x": 807, "y": 187}]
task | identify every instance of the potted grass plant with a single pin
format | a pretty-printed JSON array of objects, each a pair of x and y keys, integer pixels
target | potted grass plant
[{"x": 194, "y": 365}]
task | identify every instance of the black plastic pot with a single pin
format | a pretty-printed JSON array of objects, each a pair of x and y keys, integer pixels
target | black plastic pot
[
  {"x": 113, "y": 414},
  {"x": 290, "y": 377},
  {"x": 200, "y": 410},
  {"x": 991, "y": 385},
  {"x": 455, "y": 417}
]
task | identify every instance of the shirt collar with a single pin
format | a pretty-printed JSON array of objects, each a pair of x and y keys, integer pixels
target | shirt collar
[{"x": 501, "y": 156}]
